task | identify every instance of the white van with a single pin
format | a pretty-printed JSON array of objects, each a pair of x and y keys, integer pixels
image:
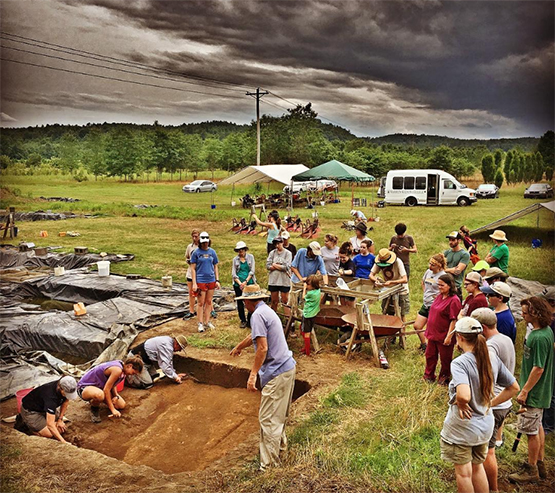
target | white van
[{"x": 424, "y": 187}]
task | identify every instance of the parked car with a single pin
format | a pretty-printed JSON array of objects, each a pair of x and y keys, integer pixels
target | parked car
[
  {"x": 300, "y": 186},
  {"x": 487, "y": 191},
  {"x": 327, "y": 185},
  {"x": 200, "y": 186},
  {"x": 538, "y": 191}
]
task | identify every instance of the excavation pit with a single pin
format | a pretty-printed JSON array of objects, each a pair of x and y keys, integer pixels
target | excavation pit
[{"x": 177, "y": 428}]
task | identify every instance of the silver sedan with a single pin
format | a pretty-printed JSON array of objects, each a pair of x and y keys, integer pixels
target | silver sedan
[{"x": 200, "y": 186}]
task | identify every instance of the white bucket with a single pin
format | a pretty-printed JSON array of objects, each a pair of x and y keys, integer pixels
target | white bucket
[
  {"x": 233, "y": 203},
  {"x": 167, "y": 281},
  {"x": 59, "y": 271},
  {"x": 322, "y": 203},
  {"x": 103, "y": 268}
]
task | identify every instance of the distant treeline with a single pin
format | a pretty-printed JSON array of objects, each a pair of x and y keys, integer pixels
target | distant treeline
[{"x": 128, "y": 150}]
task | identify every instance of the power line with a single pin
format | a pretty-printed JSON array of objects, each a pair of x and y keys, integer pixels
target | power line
[
  {"x": 119, "y": 61},
  {"x": 105, "y": 67},
  {"x": 116, "y": 60},
  {"x": 117, "y": 79}
]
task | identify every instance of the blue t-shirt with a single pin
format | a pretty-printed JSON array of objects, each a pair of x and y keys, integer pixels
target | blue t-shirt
[
  {"x": 307, "y": 266},
  {"x": 506, "y": 324},
  {"x": 265, "y": 323},
  {"x": 363, "y": 264},
  {"x": 205, "y": 260}
]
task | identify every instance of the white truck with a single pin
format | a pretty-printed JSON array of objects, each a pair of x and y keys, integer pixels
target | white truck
[{"x": 424, "y": 187}]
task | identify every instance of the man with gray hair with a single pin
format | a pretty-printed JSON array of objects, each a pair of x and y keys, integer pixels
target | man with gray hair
[
  {"x": 157, "y": 352},
  {"x": 502, "y": 346}
]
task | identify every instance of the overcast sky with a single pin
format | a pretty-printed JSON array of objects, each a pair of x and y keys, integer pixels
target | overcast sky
[{"x": 464, "y": 69}]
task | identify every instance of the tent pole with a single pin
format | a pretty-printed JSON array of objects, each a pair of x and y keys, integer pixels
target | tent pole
[
  {"x": 372, "y": 199},
  {"x": 352, "y": 195}
]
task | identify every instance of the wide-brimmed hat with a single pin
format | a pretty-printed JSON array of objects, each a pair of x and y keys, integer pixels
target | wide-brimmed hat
[
  {"x": 240, "y": 245},
  {"x": 253, "y": 292},
  {"x": 454, "y": 235},
  {"x": 480, "y": 265},
  {"x": 474, "y": 277},
  {"x": 485, "y": 316},
  {"x": 386, "y": 258},
  {"x": 353, "y": 212},
  {"x": 182, "y": 341},
  {"x": 468, "y": 325},
  {"x": 495, "y": 272},
  {"x": 498, "y": 235},
  {"x": 362, "y": 227},
  {"x": 316, "y": 248},
  {"x": 69, "y": 386},
  {"x": 500, "y": 288},
  {"x": 204, "y": 237}
]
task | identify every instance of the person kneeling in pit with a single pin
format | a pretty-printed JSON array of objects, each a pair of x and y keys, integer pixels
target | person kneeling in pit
[
  {"x": 157, "y": 352},
  {"x": 39, "y": 408},
  {"x": 99, "y": 384}
]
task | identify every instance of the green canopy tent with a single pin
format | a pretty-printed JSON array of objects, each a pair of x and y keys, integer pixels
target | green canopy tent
[{"x": 334, "y": 170}]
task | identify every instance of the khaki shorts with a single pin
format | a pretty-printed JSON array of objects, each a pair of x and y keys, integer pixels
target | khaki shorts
[
  {"x": 529, "y": 422},
  {"x": 34, "y": 420},
  {"x": 499, "y": 416},
  {"x": 404, "y": 305},
  {"x": 463, "y": 454}
]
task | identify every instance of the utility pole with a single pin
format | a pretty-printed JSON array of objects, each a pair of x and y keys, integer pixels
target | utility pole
[{"x": 258, "y": 94}]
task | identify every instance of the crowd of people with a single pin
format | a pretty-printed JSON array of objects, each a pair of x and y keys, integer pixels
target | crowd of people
[{"x": 478, "y": 321}]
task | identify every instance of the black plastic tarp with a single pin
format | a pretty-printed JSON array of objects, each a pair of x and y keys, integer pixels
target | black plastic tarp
[
  {"x": 88, "y": 287},
  {"x": 43, "y": 216},
  {"x": 126, "y": 307},
  {"x": 11, "y": 257},
  {"x": 18, "y": 372}
]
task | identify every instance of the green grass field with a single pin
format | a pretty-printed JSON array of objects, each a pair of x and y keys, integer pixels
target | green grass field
[{"x": 379, "y": 429}]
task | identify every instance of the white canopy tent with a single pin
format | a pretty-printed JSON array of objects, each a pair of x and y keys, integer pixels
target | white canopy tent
[
  {"x": 515, "y": 215},
  {"x": 281, "y": 173}
]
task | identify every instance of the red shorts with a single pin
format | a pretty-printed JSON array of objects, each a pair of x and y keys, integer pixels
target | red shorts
[{"x": 206, "y": 286}]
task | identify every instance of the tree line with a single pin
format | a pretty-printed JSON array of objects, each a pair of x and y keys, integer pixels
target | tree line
[
  {"x": 128, "y": 151},
  {"x": 516, "y": 166}
]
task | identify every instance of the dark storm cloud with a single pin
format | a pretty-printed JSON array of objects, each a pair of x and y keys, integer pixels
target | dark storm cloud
[{"x": 438, "y": 51}]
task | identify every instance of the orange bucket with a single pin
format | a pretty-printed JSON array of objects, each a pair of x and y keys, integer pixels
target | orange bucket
[{"x": 19, "y": 395}]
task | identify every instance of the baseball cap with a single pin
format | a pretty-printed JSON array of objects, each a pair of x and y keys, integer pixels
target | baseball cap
[
  {"x": 468, "y": 325},
  {"x": 474, "y": 277},
  {"x": 69, "y": 386},
  {"x": 277, "y": 239},
  {"x": 285, "y": 235},
  {"x": 316, "y": 248},
  {"x": 485, "y": 316},
  {"x": 455, "y": 235},
  {"x": 498, "y": 287},
  {"x": 204, "y": 237},
  {"x": 495, "y": 272},
  {"x": 548, "y": 293},
  {"x": 480, "y": 265}
]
